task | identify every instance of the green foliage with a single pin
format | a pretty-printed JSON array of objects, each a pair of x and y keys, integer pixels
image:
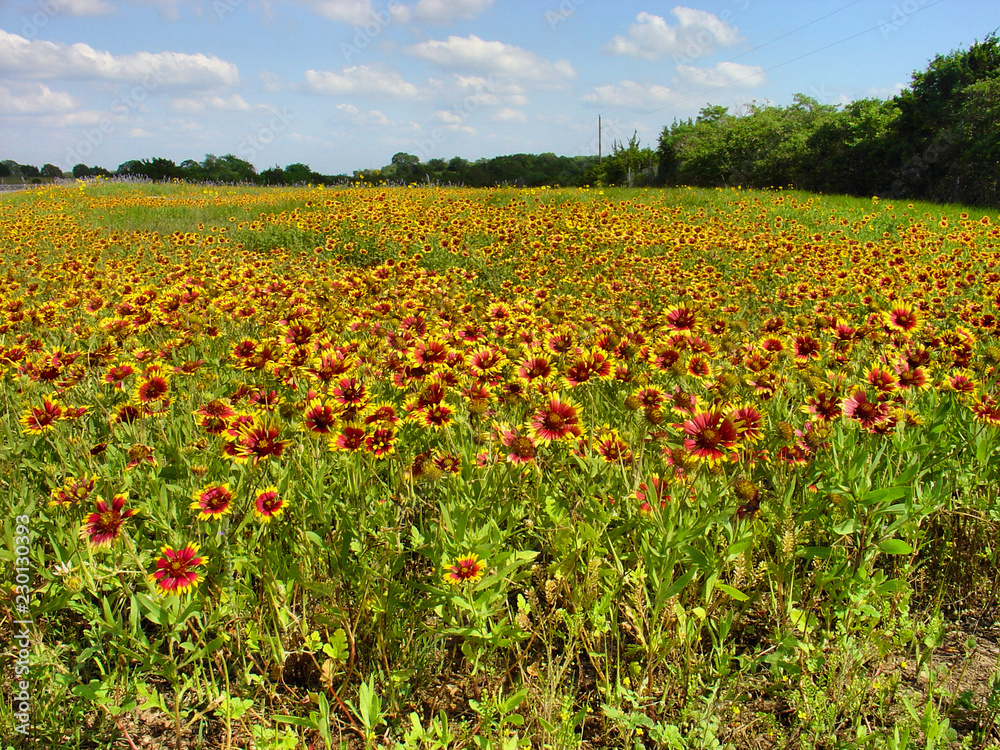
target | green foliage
[{"x": 936, "y": 140}]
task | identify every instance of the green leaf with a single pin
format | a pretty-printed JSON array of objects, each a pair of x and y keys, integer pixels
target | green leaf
[
  {"x": 846, "y": 528},
  {"x": 885, "y": 494},
  {"x": 337, "y": 647},
  {"x": 810, "y": 552},
  {"x": 730, "y": 591},
  {"x": 895, "y": 547},
  {"x": 514, "y": 701},
  {"x": 679, "y": 585},
  {"x": 150, "y": 608},
  {"x": 294, "y": 721}
]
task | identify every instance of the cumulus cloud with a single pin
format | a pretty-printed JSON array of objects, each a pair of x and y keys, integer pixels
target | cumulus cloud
[
  {"x": 355, "y": 115},
  {"x": 32, "y": 100},
  {"x": 455, "y": 121},
  {"x": 475, "y": 55},
  {"x": 723, "y": 74},
  {"x": 358, "y": 12},
  {"x": 632, "y": 95},
  {"x": 23, "y": 58},
  {"x": 359, "y": 80},
  {"x": 446, "y": 11},
  {"x": 192, "y": 106},
  {"x": 696, "y": 33}
]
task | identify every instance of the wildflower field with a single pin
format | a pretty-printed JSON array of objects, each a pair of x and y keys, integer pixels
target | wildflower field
[{"x": 447, "y": 468}]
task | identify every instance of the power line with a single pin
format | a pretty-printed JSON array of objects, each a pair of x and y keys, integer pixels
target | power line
[
  {"x": 788, "y": 62},
  {"x": 803, "y": 26}
]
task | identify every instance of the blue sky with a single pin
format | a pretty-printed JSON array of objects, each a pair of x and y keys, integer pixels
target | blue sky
[{"x": 345, "y": 84}]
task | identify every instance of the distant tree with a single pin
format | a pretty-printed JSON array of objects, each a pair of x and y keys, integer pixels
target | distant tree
[
  {"x": 5, "y": 170},
  {"x": 628, "y": 163},
  {"x": 51, "y": 171},
  {"x": 273, "y": 176},
  {"x": 28, "y": 171},
  {"x": 298, "y": 174},
  {"x": 227, "y": 169}
]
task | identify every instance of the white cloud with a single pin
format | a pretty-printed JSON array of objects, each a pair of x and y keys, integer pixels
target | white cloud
[
  {"x": 884, "y": 92},
  {"x": 359, "y": 12},
  {"x": 473, "y": 54},
  {"x": 510, "y": 115},
  {"x": 33, "y": 100},
  {"x": 86, "y": 7},
  {"x": 187, "y": 105},
  {"x": 697, "y": 33},
  {"x": 632, "y": 95},
  {"x": 365, "y": 119},
  {"x": 723, "y": 74},
  {"x": 38, "y": 59},
  {"x": 359, "y": 80},
  {"x": 446, "y": 11},
  {"x": 455, "y": 121}
]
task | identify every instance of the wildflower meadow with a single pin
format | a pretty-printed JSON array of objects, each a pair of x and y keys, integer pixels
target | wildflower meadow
[{"x": 499, "y": 468}]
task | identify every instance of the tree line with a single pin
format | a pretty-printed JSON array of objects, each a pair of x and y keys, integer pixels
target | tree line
[{"x": 938, "y": 140}]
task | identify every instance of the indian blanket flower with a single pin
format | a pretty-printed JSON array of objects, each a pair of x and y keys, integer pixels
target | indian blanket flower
[
  {"x": 521, "y": 449},
  {"x": 825, "y": 405},
  {"x": 709, "y": 435},
  {"x": 350, "y": 439},
  {"x": 176, "y": 570},
  {"x": 381, "y": 442},
  {"x": 867, "y": 413},
  {"x": 260, "y": 441},
  {"x": 268, "y": 504},
  {"x": 435, "y": 416},
  {"x": 39, "y": 419},
  {"x": 350, "y": 392},
  {"x": 466, "y": 569},
  {"x": 152, "y": 389},
  {"x": 748, "y": 421},
  {"x": 682, "y": 318},
  {"x": 103, "y": 527},
  {"x": 74, "y": 490},
  {"x": 609, "y": 445},
  {"x": 534, "y": 367},
  {"x": 903, "y": 318},
  {"x": 319, "y": 418},
  {"x": 557, "y": 420},
  {"x": 213, "y": 501},
  {"x": 116, "y": 376}
]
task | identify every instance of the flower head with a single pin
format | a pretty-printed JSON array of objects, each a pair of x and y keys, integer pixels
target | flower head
[
  {"x": 557, "y": 420},
  {"x": 175, "y": 570},
  {"x": 104, "y": 526},
  {"x": 709, "y": 436},
  {"x": 268, "y": 504},
  {"x": 213, "y": 501},
  {"x": 466, "y": 569}
]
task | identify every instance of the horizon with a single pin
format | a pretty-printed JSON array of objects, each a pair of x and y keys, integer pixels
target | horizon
[{"x": 343, "y": 85}]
